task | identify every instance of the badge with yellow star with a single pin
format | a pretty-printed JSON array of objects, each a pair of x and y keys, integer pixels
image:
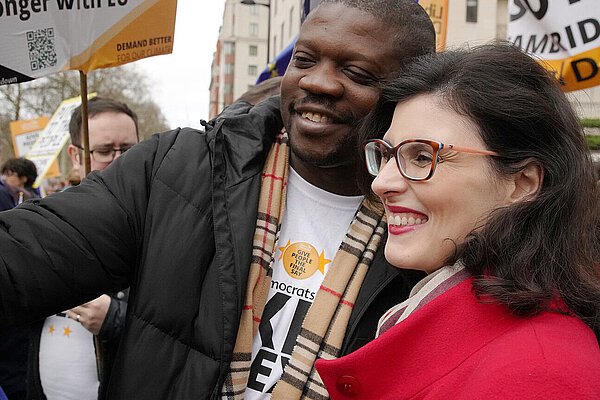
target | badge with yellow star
[{"x": 301, "y": 260}]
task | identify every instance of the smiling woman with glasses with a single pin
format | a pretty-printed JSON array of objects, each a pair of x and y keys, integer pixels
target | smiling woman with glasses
[
  {"x": 416, "y": 158},
  {"x": 487, "y": 183}
]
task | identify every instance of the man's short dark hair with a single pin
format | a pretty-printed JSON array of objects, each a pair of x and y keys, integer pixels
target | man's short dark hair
[
  {"x": 98, "y": 105},
  {"x": 409, "y": 25},
  {"x": 22, "y": 167}
]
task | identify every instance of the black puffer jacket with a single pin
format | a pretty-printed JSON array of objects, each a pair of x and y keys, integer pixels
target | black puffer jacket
[{"x": 173, "y": 218}]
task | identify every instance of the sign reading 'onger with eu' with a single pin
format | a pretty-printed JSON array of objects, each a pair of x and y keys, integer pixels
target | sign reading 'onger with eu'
[
  {"x": 40, "y": 37},
  {"x": 563, "y": 34}
]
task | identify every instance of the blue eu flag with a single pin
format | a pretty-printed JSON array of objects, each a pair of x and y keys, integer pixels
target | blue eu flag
[{"x": 278, "y": 66}]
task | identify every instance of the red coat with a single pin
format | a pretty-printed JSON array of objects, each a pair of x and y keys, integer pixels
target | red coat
[{"x": 457, "y": 348}]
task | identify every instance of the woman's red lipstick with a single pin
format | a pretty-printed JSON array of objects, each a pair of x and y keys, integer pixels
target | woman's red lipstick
[{"x": 395, "y": 225}]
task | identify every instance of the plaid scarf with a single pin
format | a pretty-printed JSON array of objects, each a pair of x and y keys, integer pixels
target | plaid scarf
[
  {"x": 426, "y": 290},
  {"x": 325, "y": 323}
]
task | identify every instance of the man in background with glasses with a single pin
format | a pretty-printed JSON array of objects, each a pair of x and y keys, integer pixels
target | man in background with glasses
[
  {"x": 112, "y": 129},
  {"x": 72, "y": 351}
]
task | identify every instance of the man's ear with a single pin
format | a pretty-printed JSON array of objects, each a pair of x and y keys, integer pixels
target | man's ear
[
  {"x": 527, "y": 182},
  {"x": 74, "y": 155}
]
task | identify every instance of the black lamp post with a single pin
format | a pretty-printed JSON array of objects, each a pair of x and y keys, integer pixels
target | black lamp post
[{"x": 268, "y": 5}]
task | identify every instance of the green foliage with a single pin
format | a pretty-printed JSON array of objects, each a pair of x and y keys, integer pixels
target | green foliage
[
  {"x": 593, "y": 142},
  {"x": 590, "y": 122}
]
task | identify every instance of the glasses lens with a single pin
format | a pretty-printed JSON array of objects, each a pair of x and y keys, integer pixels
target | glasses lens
[
  {"x": 103, "y": 155},
  {"x": 375, "y": 156},
  {"x": 416, "y": 159},
  {"x": 126, "y": 147}
]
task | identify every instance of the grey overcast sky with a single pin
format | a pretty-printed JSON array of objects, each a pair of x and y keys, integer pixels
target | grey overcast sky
[{"x": 180, "y": 80}]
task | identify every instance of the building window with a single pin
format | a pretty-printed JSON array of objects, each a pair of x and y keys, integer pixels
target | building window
[
  {"x": 253, "y": 50},
  {"x": 229, "y": 68},
  {"x": 229, "y": 48},
  {"x": 254, "y": 9},
  {"x": 471, "y": 10},
  {"x": 253, "y": 29},
  {"x": 228, "y": 89},
  {"x": 252, "y": 70}
]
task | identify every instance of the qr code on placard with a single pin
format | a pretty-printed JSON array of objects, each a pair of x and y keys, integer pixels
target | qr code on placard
[{"x": 42, "y": 53}]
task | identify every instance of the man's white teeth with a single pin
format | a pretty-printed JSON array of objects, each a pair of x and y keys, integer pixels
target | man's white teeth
[
  {"x": 315, "y": 117},
  {"x": 401, "y": 221}
]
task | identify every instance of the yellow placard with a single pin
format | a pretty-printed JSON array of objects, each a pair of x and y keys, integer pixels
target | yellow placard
[
  {"x": 53, "y": 138},
  {"x": 577, "y": 72},
  {"x": 438, "y": 12},
  {"x": 147, "y": 31},
  {"x": 24, "y": 134}
]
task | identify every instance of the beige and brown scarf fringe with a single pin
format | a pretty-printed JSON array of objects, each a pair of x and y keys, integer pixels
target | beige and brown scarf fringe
[{"x": 325, "y": 324}]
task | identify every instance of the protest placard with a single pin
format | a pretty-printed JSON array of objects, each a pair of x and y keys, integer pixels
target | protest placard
[
  {"x": 438, "y": 12},
  {"x": 25, "y": 133},
  {"x": 53, "y": 138},
  {"x": 40, "y": 37},
  {"x": 563, "y": 34}
]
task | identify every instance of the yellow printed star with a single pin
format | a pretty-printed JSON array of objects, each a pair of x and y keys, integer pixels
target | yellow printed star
[
  {"x": 322, "y": 262},
  {"x": 282, "y": 250},
  {"x": 67, "y": 332},
  {"x": 51, "y": 329}
]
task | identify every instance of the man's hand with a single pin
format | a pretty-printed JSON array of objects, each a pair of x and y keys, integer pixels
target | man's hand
[{"x": 91, "y": 314}]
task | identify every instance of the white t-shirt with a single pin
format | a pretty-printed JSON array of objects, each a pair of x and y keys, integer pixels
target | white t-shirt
[
  {"x": 67, "y": 360},
  {"x": 313, "y": 227}
]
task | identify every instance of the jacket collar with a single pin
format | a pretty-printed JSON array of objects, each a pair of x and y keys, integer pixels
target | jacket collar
[
  {"x": 438, "y": 337},
  {"x": 243, "y": 134}
]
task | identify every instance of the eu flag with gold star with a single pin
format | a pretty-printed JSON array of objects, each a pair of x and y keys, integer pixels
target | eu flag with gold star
[{"x": 278, "y": 66}]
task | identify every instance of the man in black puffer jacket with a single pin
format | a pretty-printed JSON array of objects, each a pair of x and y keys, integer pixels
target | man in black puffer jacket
[{"x": 178, "y": 227}]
